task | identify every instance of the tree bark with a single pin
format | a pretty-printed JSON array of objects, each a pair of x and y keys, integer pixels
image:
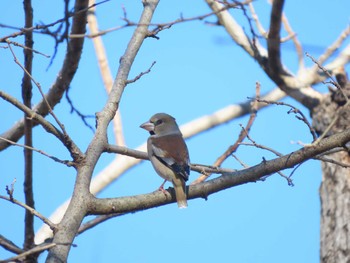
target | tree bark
[
  {"x": 335, "y": 186},
  {"x": 335, "y": 214}
]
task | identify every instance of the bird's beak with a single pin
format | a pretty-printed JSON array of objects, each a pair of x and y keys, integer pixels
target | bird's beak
[{"x": 148, "y": 126}]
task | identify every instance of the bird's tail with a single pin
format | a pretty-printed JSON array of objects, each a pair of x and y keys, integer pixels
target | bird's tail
[{"x": 180, "y": 192}]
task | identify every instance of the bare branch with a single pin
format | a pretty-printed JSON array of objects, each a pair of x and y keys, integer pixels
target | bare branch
[
  {"x": 297, "y": 44},
  {"x": 141, "y": 74},
  {"x": 328, "y": 74},
  {"x": 255, "y": 17},
  {"x": 9, "y": 245},
  {"x": 332, "y": 48},
  {"x": 82, "y": 197},
  {"x": 297, "y": 88},
  {"x": 25, "y": 47},
  {"x": 260, "y": 146},
  {"x": 34, "y": 29},
  {"x": 97, "y": 220},
  {"x": 65, "y": 76},
  {"x": 40, "y": 90},
  {"x": 27, "y": 88},
  {"x": 31, "y": 210},
  {"x": 274, "y": 41},
  {"x": 204, "y": 189},
  {"x": 70, "y": 145},
  {"x": 82, "y": 116},
  {"x": 329, "y": 160},
  {"x": 296, "y": 111},
  {"x": 254, "y": 144},
  {"x": 120, "y": 165},
  {"x": 34, "y": 250},
  {"x": 158, "y": 26},
  {"x": 105, "y": 71},
  {"x": 231, "y": 149},
  {"x": 143, "y": 156},
  {"x": 10, "y": 190},
  {"x": 235, "y": 30},
  {"x": 65, "y": 162}
]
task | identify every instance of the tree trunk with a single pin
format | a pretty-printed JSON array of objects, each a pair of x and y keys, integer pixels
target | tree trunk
[
  {"x": 335, "y": 213},
  {"x": 335, "y": 187}
]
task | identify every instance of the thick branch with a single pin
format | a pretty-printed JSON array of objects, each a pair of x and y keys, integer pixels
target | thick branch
[
  {"x": 79, "y": 204},
  {"x": 293, "y": 86},
  {"x": 274, "y": 41},
  {"x": 203, "y": 190},
  {"x": 28, "y": 128}
]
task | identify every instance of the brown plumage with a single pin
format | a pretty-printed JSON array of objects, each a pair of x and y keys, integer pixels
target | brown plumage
[{"x": 168, "y": 153}]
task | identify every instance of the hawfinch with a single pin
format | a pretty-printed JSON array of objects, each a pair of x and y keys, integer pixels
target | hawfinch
[{"x": 168, "y": 153}]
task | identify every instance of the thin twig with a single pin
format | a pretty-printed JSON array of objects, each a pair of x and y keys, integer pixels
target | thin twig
[
  {"x": 231, "y": 149},
  {"x": 34, "y": 250},
  {"x": 340, "y": 109},
  {"x": 43, "y": 27},
  {"x": 329, "y": 160},
  {"x": 297, "y": 44},
  {"x": 65, "y": 162},
  {"x": 260, "y": 146},
  {"x": 10, "y": 190},
  {"x": 328, "y": 74},
  {"x": 296, "y": 111},
  {"x": 31, "y": 210},
  {"x": 244, "y": 165},
  {"x": 254, "y": 144},
  {"x": 159, "y": 26},
  {"x": 201, "y": 168},
  {"x": 9, "y": 245},
  {"x": 255, "y": 17},
  {"x": 40, "y": 90},
  {"x": 141, "y": 74},
  {"x": 333, "y": 47},
  {"x": 50, "y": 128},
  {"x": 27, "y": 48},
  {"x": 83, "y": 117},
  {"x": 97, "y": 220}
]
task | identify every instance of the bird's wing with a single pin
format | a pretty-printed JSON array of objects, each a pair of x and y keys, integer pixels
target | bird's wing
[{"x": 172, "y": 151}]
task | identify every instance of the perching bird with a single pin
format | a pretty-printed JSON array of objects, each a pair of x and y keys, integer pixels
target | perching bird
[{"x": 168, "y": 153}]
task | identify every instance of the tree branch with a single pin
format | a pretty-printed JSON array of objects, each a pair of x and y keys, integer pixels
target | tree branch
[
  {"x": 28, "y": 129},
  {"x": 50, "y": 128},
  {"x": 65, "y": 162},
  {"x": 9, "y": 245},
  {"x": 81, "y": 199},
  {"x": 105, "y": 71},
  {"x": 274, "y": 41},
  {"x": 31, "y": 210},
  {"x": 295, "y": 87},
  {"x": 64, "y": 78},
  {"x": 242, "y": 135},
  {"x": 120, "y": 165},
  {"x": 203, "y": 190},
  {"x": 33, "y": 251}
]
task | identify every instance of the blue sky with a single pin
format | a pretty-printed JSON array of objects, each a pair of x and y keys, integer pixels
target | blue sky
[{"x": 198, "y": 71}]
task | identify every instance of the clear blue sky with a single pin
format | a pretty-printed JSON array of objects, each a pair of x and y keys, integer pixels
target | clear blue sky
[{"x": 198, "y": 71}]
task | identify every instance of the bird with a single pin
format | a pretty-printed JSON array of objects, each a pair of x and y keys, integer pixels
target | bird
[{"x": 168, "y": 153}]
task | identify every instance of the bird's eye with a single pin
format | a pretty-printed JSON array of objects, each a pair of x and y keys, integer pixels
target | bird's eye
[{"x": 158, "y": 122}]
